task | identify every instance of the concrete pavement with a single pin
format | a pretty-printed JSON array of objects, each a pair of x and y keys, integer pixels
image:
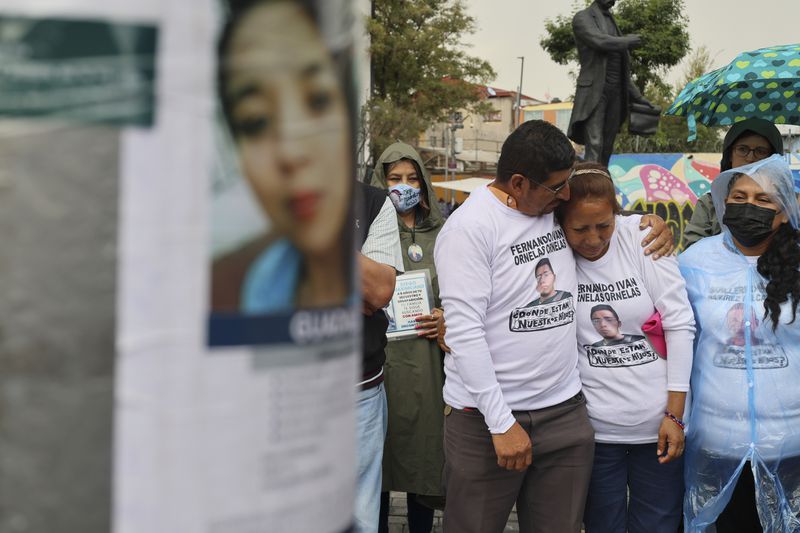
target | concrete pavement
[{"x": 399, "y": 524}]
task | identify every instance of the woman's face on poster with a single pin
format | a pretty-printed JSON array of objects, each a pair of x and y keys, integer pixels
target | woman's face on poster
[{"x": 290, "y": 122}]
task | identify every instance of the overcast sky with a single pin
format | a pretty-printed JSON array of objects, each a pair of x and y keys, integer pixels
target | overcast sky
[{"x": 511, "y": 28}]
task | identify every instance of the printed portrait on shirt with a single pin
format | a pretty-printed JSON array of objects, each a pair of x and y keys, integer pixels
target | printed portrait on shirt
[
  {"x": 550, "y": 309},
  {"x": 607, "y": 323},
  {"x": 734, "y": 350},
  {"x": 735, "y": 325},
  {"x": 546, "y": 285},
  {"x": 616, "y": 348}
]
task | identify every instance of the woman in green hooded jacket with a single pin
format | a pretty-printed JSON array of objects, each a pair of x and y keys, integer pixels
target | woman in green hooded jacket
[{"x": 413, "y": 456}]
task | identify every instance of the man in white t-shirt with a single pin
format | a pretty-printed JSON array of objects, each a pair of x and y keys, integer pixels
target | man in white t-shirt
[{"x": 512, "y": 377}]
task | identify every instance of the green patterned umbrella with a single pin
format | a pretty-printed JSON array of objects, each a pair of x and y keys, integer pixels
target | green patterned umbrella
[{"x": 763, "y": 83}]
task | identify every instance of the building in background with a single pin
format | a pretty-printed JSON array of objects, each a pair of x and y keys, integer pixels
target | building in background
[
  {"x": 556, "y": 113},
  {"x": 469, "y": 142},
  {"x": 791, "y": 137}
]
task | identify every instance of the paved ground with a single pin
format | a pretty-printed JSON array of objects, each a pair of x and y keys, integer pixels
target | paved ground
[{"x": 398, "y": 523}]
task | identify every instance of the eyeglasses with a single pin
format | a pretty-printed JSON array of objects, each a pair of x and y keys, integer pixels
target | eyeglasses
[
  {"x": 604, "y": 319},
  {"x": 559, "y": 188},
  {"x": 543, "y": 274},
  {"x": 759, "y": 152}
]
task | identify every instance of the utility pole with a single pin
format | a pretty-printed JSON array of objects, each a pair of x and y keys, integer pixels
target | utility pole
[
  {"x": 517, "y": 120},
  {"x": 456, "y": 122},
  {"x": 448, "y": 194}
]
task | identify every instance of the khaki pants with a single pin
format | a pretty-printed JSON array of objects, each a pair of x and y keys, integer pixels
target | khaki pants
[{"x": 550, "y": 495}]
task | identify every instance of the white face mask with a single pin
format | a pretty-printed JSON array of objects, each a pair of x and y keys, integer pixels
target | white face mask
[{"x": 404, "y": 197}]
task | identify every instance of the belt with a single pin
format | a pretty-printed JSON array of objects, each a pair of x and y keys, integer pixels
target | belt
[
  {"x": 371, "y": 380},
  {"x": 448, "y": 409}
]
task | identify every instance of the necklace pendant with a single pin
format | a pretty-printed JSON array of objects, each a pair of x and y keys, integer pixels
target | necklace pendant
[{"x": 415, "y": 252}]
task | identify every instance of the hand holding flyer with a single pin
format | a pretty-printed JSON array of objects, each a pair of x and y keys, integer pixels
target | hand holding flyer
[{"x": 412, "y": 298}]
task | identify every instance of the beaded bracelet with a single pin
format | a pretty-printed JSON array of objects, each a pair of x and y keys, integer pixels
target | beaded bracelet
[{"x": 681, "y": 423}]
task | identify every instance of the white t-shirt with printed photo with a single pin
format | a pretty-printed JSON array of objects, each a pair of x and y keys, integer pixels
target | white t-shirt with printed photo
[
  {"x": 512, "y": 348},
  {"x": 624, "y": 379}
]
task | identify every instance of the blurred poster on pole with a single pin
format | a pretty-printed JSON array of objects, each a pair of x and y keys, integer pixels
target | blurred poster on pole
[
  {"x": 239, "y": 342},
  {"x": 73, "y": 82},
  {"x": 179, "y": 331}
]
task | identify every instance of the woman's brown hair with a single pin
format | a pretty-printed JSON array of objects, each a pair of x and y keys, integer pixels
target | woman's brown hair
[{"x": 590, "y": 181}]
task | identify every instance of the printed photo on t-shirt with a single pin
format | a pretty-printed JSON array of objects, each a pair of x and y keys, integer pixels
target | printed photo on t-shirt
[
  {"x": 616, "y": 348},
  {"x": 733, "y": 354},
  {"x": 546, "y": 285},
  {"x": 607, "y": 323},
  {"x": 736, "y": 326},
  {"x": 550, "y": 309}
]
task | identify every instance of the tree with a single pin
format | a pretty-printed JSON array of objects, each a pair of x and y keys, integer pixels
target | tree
[
  {"x": 420, "y": 72},
  {"x": 708, "y": 139},
  {"x": 672, "y": 132},
  {"x": 661, "y": 24}
]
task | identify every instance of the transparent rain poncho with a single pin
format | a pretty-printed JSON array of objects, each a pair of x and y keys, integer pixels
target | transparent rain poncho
[{"x": 745, "y": 388}]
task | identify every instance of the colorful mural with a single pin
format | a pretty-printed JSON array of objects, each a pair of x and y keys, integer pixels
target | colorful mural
[{"x": 669, "y": 184}]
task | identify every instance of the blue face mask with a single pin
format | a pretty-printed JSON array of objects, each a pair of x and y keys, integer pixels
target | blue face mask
[{"x": 404, "y": 197}]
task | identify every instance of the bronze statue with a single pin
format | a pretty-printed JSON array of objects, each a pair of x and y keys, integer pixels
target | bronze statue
[{"x": 605, "y": 92}]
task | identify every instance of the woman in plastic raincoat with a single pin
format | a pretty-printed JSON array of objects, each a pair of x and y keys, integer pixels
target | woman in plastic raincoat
[
  {"x": 743, "y": 440},
  {"x": 413, "y": 457}
]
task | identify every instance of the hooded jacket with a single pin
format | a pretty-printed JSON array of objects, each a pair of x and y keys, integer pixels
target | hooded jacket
[
  {"x": 426, "y": 229},
  {"x": 745, "y": 403},
  {"x": 413, "y": 457}
]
